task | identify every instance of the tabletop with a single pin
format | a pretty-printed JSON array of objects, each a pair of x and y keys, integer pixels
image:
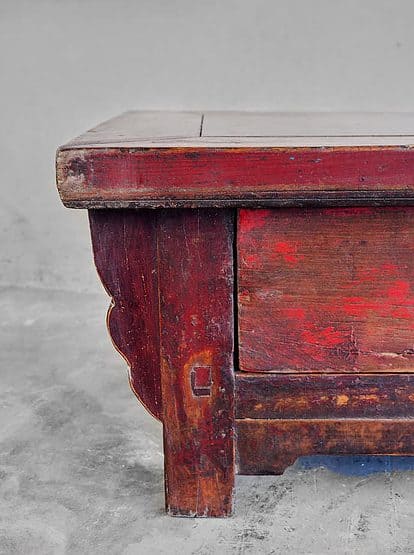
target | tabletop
[
  {"x": 169, "y": 159},
  {"x": 221, "y": 129}
]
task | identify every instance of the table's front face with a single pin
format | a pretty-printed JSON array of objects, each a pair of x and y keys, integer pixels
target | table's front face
[
  {"x": 288, "y": 334},
  {"x": 315, "y": 357},
  {"x": 326, "y": 333},
  {"x": 326, "y": 290}
]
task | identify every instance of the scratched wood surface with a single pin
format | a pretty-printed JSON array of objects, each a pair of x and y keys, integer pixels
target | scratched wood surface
[
  {"x": 285, "y": 396},
  {"x": 270, "y": 446},
  {"x": 196, "y": 305},
  {"x": 153, "y": 177},
  {"x": 124, "y": 247},
  {"x": 326, "y": 290},
  {"x": 192, "y": 159},
  {"x": 325, "y": 314},
  {"x": 136, "y": 129},
  {"x": 132, "y": 128},
  {"x": 307, "y": 124}
]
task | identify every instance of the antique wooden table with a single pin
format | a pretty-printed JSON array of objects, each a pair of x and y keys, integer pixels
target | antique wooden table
[{"x": 261, "y": 269}]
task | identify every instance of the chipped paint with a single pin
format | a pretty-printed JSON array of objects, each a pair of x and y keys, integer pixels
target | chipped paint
[{"x": 342, "y": 400}]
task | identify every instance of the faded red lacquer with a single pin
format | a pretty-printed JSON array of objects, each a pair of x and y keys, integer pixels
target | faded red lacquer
[
  {"x": 125, "y": 250},
  {"x": 196, "y": 307},
  {"x": 325, "y": 304},
  {"x": 326, "y": 291},
  {"x": 162, "y": 176}
]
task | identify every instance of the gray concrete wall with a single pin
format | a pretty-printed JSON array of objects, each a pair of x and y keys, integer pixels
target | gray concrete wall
[{"x": 66, "y": 65}]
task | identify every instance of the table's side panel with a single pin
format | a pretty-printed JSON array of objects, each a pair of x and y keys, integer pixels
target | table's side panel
[
  {"x": 196, "y": 306},
  {"x": 125, "y": 252},
  {"x": 326, "y": 290}
]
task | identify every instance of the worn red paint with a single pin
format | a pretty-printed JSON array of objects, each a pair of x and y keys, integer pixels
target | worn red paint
[
  {"x": 252, "y": 259},
  {"x": 163, "y": 176},
  {"x": 387, "y": 303},
  {"x": 316, "y": 342},
  {"x": 351, "y": 281},
  {"x": 360, "y": 306},
  {"x": 399, "y": 290},
  {"x": 348, "y": 211},
  {"x": 125, "y": 251},
  {"x": 294, "y": 313},
  {"x": 288, "y": 252},
  {"x": 253, "y": 219},
  {"x": 391, "y": 269},
  {"x": 402, "y": 312},
  {"x": 197, "y": 377},
  {"x": 326, "y": 337},
  {"x": 372, "y": 274},
  {"x": 346, "y": 307}
]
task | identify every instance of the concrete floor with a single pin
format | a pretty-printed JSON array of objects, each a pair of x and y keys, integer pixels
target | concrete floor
[{"x": 81, "y": 468}]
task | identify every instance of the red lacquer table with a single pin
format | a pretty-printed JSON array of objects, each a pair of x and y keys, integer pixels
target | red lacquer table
[{"x": 261, "y": 269}]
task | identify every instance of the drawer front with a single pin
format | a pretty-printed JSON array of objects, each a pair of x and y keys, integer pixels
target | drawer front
[{"x": 326, "y": 290}]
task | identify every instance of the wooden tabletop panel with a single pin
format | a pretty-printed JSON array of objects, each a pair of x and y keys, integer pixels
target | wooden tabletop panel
[{"x": 157, "y": 159}]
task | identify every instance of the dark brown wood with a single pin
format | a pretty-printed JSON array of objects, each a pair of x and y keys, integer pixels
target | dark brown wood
[
  {"x": 270, "y": 446},
  {"x": 196, "y": 305},
  {"x": 286, "y": 396},
  {"x": 326, "y": 290},
  {"x": 125, "y": 246}
]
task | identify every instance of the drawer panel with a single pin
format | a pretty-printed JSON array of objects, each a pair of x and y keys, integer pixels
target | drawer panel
[{"x": 326, "y": 290}]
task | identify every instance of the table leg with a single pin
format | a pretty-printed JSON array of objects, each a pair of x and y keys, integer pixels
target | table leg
[
  {"x": 195, "y": 253},
  {"x": 170, "y": 276}
]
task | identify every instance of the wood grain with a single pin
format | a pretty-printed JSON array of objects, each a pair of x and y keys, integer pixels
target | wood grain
[
  {"x": 307, "y": 124},
  {"x": 279, "y": 129},
  {"x": 285, "y": 396},
  {"x": 326, "y": 290},
  {"x": 196, "y": 306},
  {"x": 325, "y": 315},
  {"x": 135, "y": 126},
  {"x": 156, "y": 177},
  {"x": 125, "y": 248},
  {"x": 270, "y": 446}
]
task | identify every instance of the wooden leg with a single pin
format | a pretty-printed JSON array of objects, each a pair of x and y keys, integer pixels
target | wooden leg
[
  {"x": 170, "y": 276},
  {"x": 196, "y": 311}
]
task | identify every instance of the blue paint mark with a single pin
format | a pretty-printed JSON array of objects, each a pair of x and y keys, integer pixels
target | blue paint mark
[{"x": 357, "y": 465}]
